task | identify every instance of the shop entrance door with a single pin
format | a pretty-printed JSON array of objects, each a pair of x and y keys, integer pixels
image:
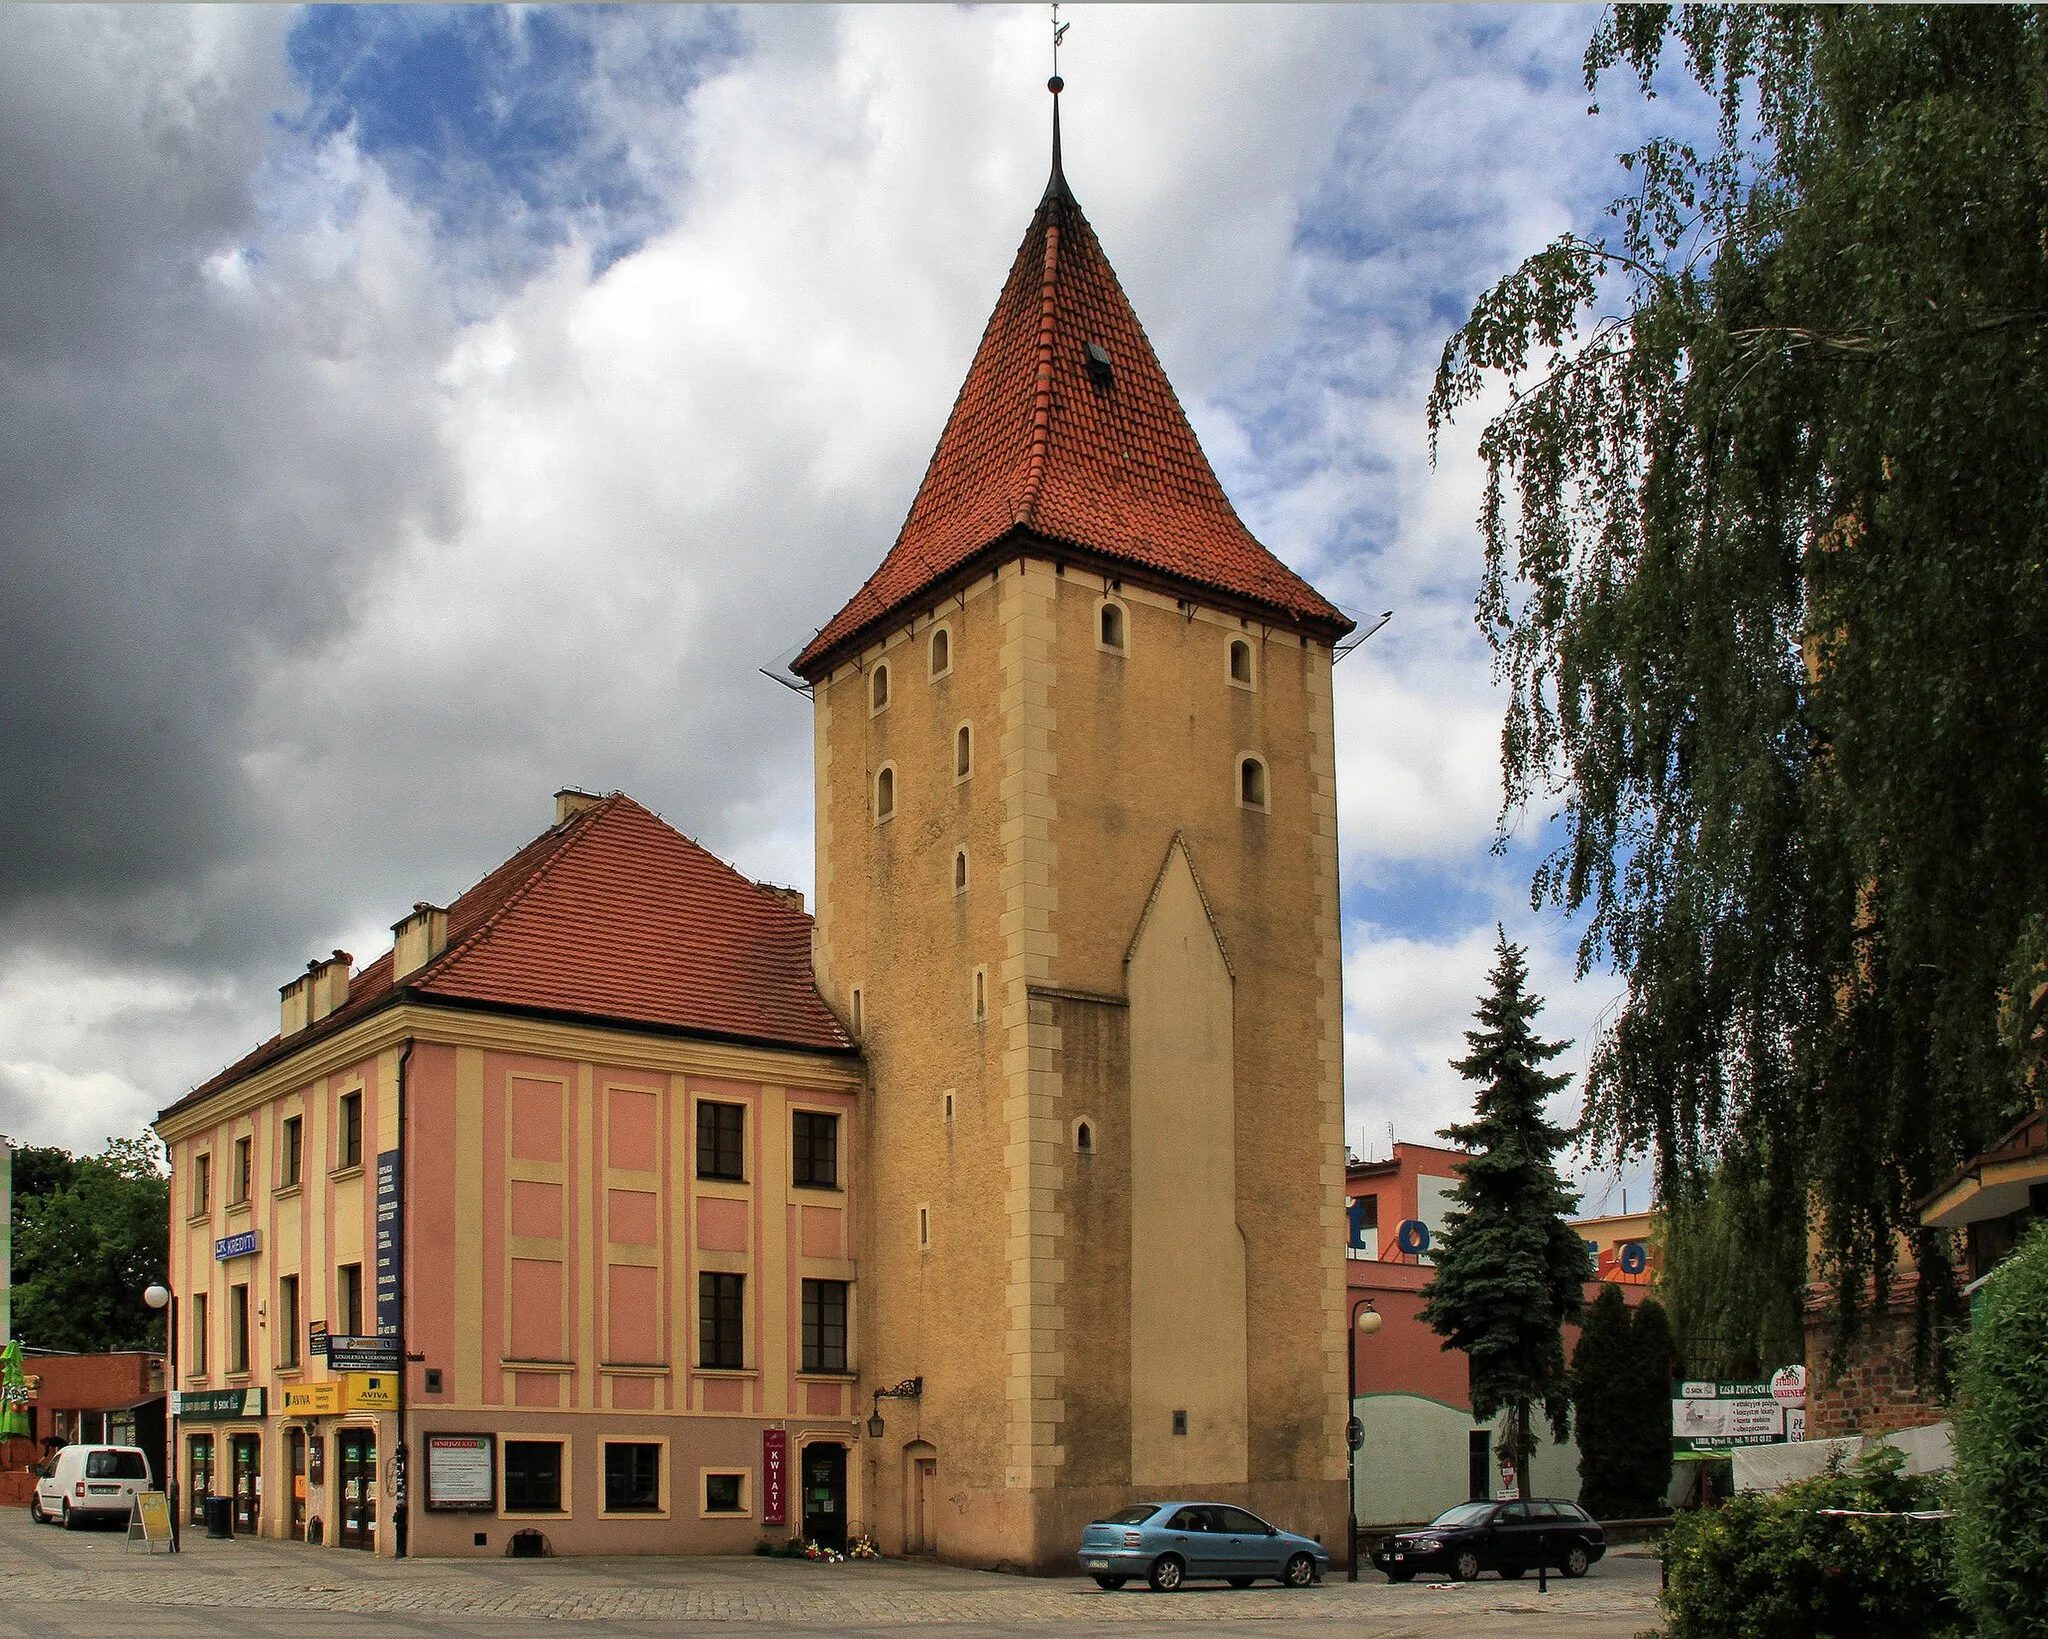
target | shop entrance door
[
  {"x": 199, "y": 1475},
  {"x": 248, "y": 1493},
  {"x": 825, "y": 1495},
  {"x": 356, "y": 1453},
  {"x": 295, "y": 1449}
]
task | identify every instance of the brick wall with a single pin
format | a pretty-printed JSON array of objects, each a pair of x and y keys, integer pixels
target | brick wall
[{"x": 1875, "y": 1391}]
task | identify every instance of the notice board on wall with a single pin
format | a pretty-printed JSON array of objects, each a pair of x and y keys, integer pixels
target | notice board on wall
[{"x": 462, "y": 1472}]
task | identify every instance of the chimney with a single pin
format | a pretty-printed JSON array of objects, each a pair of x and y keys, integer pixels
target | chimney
[
  {"x": 328, "y": 983},
  {"x": 293, "y": 1013},
  {"x": 570, "y": 802},
  {"x": 417, "y": 939},
  {"x": 792, "y": 897}
]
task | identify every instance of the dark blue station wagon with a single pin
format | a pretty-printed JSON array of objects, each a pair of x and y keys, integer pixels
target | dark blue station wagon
[{"x": 1169, "y": 1543}]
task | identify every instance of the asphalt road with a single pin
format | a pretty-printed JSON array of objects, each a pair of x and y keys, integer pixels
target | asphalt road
[{"x": 56, "y": 1584}]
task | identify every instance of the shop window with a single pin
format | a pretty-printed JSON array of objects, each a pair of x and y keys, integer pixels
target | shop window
[
  {"x": 292, "y": 1159},
  {"x": 533, "y": 1476},
  {"x": 824, "y": 1325},
  {"x": 814, "y": 1141},
  {"x": 725, "y": 1493},
  {"x": 632, "y": 1478},
  {"x": 721, "y": 1321},
  {"x": 349, "y": 1148},
  {"x": 348, "y": 1299},
  {"x": 722, "y": 1141},
  {"x": 287, "y": 1346}
]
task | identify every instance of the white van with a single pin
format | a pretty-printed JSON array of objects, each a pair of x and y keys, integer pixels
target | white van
[{"x": 84, "y": 1483}]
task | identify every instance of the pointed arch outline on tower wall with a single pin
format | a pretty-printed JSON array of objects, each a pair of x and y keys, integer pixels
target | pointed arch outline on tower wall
[{"x": 1179, "y": 841}]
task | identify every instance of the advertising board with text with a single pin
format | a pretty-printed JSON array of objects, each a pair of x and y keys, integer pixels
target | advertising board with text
[
  {"x": 1713, "y": 1416},
  {"x": 462, "y": 1473}
]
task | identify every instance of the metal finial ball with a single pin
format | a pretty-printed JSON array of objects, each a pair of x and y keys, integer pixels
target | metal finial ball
[{"x": 1055, "y": 85}]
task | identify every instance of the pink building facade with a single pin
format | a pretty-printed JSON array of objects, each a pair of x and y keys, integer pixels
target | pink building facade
[{"x": 457, "y": 1260}]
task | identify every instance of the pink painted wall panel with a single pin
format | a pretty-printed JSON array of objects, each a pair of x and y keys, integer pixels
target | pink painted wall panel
[
  {"x": 632, "y": 1129},
  {"x": 633, "y": 1307},
  {"x": 633, "y": 1393},
  {"x": 823, "y": 1399},
  {"x": 536, "y": 1209},
  {"x": 722, "y": 1225},
  {"x": 536, "y": 1120},
  {"x": 537, "y": 1389},
  {"x": 724, "y": 1394},
  {"x": 537, "y": 1309},
  {"x": 821, "y": 1234},
  {"x": 634, "y": 1218}
]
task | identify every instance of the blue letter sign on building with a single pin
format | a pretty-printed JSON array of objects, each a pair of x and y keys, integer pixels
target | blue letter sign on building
[
  {"x": 390, "y": 1244},
  {"x": 1363, "y": 1211}
]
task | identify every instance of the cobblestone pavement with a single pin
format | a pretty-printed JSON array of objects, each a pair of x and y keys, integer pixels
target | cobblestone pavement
[{"x": 54, "y": 1584}]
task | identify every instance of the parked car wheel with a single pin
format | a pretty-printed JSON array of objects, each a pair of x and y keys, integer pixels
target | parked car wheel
[
  {"x": 1300, "y": 1572},
  {"x": 1400, "y": 1576},
  {"x": 35, "y": 1510},
  {"x": 69, "y": 1519},
  {"x": 1166, "y": 1573},
  {"x": 1575, "y": 1561},
  {"x": 1466, "y": 1567},
  {"x": 1110, "y": 1582}
]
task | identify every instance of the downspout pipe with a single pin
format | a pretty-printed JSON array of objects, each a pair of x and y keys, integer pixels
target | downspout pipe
[{"x": 401, "y": 1516}]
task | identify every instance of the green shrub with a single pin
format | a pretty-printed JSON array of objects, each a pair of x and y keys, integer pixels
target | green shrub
[
  {"x": 2001, "y": 1477},
  {"x": 1774, "y": 1567}
]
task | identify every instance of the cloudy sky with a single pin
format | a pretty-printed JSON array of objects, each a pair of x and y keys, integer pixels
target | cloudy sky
[{"x": 406, "y": 412}]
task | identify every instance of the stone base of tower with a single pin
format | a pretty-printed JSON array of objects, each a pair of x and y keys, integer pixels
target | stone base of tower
[{"x": 1039, "y": 1532}]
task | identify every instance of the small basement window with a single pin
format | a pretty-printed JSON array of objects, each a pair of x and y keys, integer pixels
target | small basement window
[{"x": 1251, "y": 782}]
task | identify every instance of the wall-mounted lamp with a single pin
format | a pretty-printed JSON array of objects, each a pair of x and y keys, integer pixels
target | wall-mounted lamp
[{"x": 911, "y": 1388}]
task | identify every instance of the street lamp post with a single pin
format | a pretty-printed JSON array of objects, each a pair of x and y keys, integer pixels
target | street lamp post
[
  {"x": 1363, "y": 1318},
  {"x": 161, "y": 1297}
]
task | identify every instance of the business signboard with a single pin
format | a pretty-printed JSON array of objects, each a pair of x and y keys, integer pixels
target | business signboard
[
  {"x": 244, "y": 1245},
  {"x": 774, "y": 1476},
  {"x": 462, "y": 1473},
  {"x": 313, "y": 1400},
  {"x": 218, "y": 1405},
  {"x": 390, "y": 1231},
  {"x": 370, "y": 1391},
  {"x": 361, "y": 1354},
  {"x": 1714, "y": 1416}
]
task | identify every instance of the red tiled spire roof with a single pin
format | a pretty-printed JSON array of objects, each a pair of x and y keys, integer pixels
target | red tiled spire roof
[
  {"x": 1039, "y": 444},
  {"x": 616, "y": 917}
]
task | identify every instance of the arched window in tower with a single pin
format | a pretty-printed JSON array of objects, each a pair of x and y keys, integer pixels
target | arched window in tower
[
  {"x": 963, "y": 752},
  {"x": 959, "y": 870},
  {"x": 1241, "y": 663},
  {"x": 1251, "y": 782},
  {"x": 1110, "y": 631},
  {"x": 878, "y": 689},
  {"x": 885, "y": 793},
  {"x": 981, "y": 995},
  {"x": 942, "y": 651},
  {"x": 1084, "y": 1138}
]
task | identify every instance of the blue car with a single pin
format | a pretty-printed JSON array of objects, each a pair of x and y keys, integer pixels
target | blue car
[{"x": 1168, "y": 1543}]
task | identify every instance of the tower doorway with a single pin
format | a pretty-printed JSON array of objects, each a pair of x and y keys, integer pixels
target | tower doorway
[
  {"x": 920, "y": 1498},
  {"x": 825, "y": 1495}
]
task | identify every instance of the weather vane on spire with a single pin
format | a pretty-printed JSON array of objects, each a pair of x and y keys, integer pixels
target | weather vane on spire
[{"x": 1059, "y": 32}]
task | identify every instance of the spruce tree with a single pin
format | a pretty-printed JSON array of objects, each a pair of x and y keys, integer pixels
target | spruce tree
[
  {"x": 1644, "y": 1473},
  {"x": 1604, "y": 1401},
  {"x": 1510, "y": 1270}
]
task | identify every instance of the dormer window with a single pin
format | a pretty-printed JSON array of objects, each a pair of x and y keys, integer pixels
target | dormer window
[
  {"x": 1110, "y": 633},
  {"x": 878, "y": 689},
  {"x": 1101, "y": 370}
]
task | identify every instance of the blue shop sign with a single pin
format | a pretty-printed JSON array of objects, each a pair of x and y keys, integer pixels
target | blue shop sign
[{"x": 236, "y": 1246}]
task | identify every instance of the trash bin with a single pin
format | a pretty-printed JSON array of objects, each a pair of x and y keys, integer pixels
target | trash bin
[{"x": 220, "y": 1518}]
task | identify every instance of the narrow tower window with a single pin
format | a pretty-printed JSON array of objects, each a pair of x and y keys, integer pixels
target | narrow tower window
[
  {"x": 924, "y": 1228},
  {"x": 1084, "y": 1138},
  {"x": 980, "y": 995},
  {"x": 959, "y": 870},
  {"x": 878, "y": 689},
  {"x": 855, "y": 1012},
  {"x": 942, "y": 651},
  {"x": 885, "y": 794},
  {"x": 1240, "y": 662},
  {"x": 1109, "y": 627},
  {"x": 963, "y": 752},
  {"x": 1251, "y": 782}
]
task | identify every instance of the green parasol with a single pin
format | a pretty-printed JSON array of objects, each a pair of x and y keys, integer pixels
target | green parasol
[{"x": 13, "y": 1393}]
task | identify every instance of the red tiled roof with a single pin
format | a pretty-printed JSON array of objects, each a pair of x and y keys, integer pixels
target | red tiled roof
[
  {"x": 1035, "y": 444},
  {"x": 613, "y": 916}
]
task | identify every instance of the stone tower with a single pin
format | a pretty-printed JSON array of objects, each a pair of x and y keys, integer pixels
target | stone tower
[{"x": 1078, "y": 897}]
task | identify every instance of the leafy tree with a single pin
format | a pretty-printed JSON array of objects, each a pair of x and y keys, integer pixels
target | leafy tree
[
  {"x": 1603, "y": 1397},
  {"x": 2001, "y": 1475},
  {"x": 1732, "y": 1271},
  {"x": 1510, "y": 1269},
  {"x": 85, "y": 1251},
  {"x": 1765, "y": 546}
]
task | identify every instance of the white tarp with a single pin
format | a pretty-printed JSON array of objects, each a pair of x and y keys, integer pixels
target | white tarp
[{"x": 1765, "y": 1468}]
